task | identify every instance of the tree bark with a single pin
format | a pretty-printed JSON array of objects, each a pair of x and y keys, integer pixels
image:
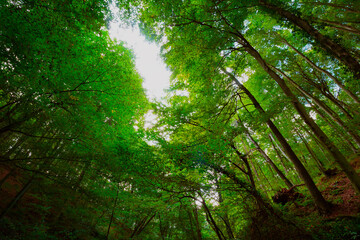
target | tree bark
[
  {"x": 330, "y": 46},
  {"x": 268, "y": 160},
  {"x": 225, "y": 216},
  {"x": 18, "y": 196},
  {"x": 3, "y": 180},
  {"x": 211, "y": 220},
  {"x": 279, "y": 153},
  {"x": 333, "y": 150},
  {"x": 198, "y": 227},
  {"x": 324, "y": 107},
  {"x": 112, "y": 213},
  {"x": 319, "y": 200},
  {"x": 319, "y": 164},
  {"x": 312, "y": 64}
]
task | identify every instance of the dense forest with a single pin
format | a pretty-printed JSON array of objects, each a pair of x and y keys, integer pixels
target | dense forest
[{"x": 258, "y": 137}]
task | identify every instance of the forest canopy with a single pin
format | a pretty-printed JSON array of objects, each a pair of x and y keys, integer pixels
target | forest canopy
[{"x": 258, "y": 137}]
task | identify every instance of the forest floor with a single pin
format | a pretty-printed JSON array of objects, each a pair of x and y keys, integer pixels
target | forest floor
[
  {"x": 11, "y": 187},
  {"x": 341, "y": 193},
  {"x": 336, "y": 189},
  {"x": 343, "y": 222}
]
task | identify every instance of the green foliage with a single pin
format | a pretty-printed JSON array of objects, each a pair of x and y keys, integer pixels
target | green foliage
[
  {"x": 342, "y": 228},
  {"x": 72, "y": 119}
]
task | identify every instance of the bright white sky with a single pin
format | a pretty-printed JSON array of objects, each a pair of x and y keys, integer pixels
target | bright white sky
[{"x": 148, "y": 62}]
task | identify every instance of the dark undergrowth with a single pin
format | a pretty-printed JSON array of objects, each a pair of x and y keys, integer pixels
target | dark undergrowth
[
  {"x": 304, "y": 222},
  {"x": 32, "y": 219}
]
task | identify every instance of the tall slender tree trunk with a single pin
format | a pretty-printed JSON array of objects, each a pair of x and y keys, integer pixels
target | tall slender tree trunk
[
  {"x": 257, "y": 165},
  {"x": 193, "y": 231},
  {"x": 9, "y": 174},
  {"x": 330, "y": 46},
  {"x": 268, "y": 159},
  {"x": 324, "y": 90},
  {"x": 337, "y": 25},
  {"x": 322, "y": 205},
  {"x": 333, "y": 150},
  {"x": 261, "y": 183},
  {"x": 18, "y": 196},
  {"x": 324, "y": 107},
  {"x": 320, "y": 146},
  {"x": 279, "y": 153},
  {"x": 263, "y": 206},
  {"x": 112, "y": 213},
  {"x": 198, "y": 226},
  {"x": 142, "y": 225},
  {"x": 248, "y": 172},
  {"x": 163, "y": 229},
  {"x": 337, "y": 81},
  {"x": 319, "y": 164},
  {"x": 211, "y": 220},
  {"x": 244, "y": 158},
  {"x": 331, "y": 124},
  {"x": 224, "y": 216}
]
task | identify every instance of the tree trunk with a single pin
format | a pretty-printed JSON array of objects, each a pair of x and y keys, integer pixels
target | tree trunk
[
  {"x": 245, "y": 159},
  {"x": 261, "y": 184},
  {"x": 324, "y": 107},
  {"x": 323, "y": 88},
  {"x": 211, "y": 220},
  {"x": 319, "y": 200},
  {"x": 146, "y": 223},
  {"x": 268, "y": 159},
  {"x": 279, "y": 153},
  {"x": 335, "y": 152},
  {"x": 337, "y": 81},
  {"x": 198, "y": 227},
  {"x": 224, "y": 216},
  {"x": 163, "y": 229},
  {"x": 11, "y": 172},
  {"x": 261, "y": 204},
  {"x": 331, "y": 124},
  {"x": 338, "y": 26},
  {"x": 319, "y": 164},
  {"x": 18, "y": 196},
  {"x": 142, "y": 225},
  {"x": 338, "y": 51},
  {"x": 112, "y": 213}
]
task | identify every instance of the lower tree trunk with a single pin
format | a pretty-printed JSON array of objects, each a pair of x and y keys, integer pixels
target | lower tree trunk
[
  {"x": 319, "y": 164},
  {"x": 336, "y": 50},
  {"x": 198, "y": 227},
  {"x": 211, "y": 220},
  {"x": 325, "y": 108},
  {"x": 337, "y": 81},
  {"x": 268, "y": 160},
  {"x": 3, "y": 180},
  {"x": 322, "y": 205},
  {"x": 112, "y": 213},
  {"x": 333, "y": 150},
  {"x": 17, "y": 197},
  {"x": 340, "y": 134}
]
